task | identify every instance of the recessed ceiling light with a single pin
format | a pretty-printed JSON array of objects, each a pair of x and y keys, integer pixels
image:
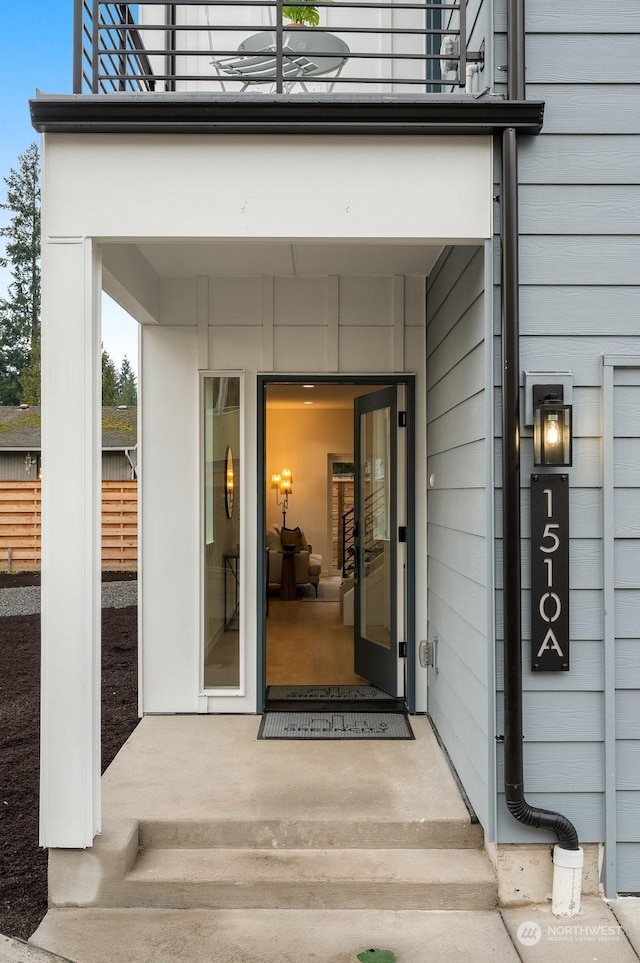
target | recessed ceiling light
[{"x": 308, "y": 386}]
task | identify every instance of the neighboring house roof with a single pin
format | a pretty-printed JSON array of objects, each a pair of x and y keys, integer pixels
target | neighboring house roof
[{"x": 20, "y": 428}]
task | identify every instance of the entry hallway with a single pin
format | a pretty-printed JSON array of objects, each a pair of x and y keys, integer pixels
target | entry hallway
[{"x": 219, "y": 847}]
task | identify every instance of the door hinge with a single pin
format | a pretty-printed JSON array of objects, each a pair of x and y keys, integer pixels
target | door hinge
[
  {"x": 402, "y": 419},
  {"x": 402, "y": 533},
  {"x": 402, "y": 650}
]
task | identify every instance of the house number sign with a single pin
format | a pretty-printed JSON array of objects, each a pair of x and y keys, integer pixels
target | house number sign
[{"x": 549, "y": 573}]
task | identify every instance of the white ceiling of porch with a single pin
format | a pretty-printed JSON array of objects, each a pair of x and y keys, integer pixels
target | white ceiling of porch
[
  {"x": 236, "y": 258},
  {"x": 289, "y": 395}
]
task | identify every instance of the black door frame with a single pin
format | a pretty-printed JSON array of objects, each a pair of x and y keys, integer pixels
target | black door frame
[{"x": 408, "y": 380}]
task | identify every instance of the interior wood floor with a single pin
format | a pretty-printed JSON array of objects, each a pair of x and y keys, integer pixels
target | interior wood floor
[{"x": 307, "y": 644}]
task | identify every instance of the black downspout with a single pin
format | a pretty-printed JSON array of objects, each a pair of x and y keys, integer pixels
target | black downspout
[{"x": 513, "y": 749}]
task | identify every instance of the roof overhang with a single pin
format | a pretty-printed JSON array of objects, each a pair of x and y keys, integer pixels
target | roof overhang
[
  {"x": 11, "y": 449},
  {"x": 173, "y": 113}
]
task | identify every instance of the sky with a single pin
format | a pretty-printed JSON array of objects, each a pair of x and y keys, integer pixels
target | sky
[{"x": 36, "y": 53}]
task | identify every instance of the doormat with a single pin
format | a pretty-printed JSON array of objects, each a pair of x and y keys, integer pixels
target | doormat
[
  {"x": 328, "y": 698},
  {"x": 336, "y": 692},
  {"x": 335, "y": 725}
]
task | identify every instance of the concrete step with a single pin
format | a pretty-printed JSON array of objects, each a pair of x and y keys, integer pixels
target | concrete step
[
  {"x": 274, "y": 936},
  {"x": 301, "y": 879},
  {"x": 17, "y": 951},
  {"x": 455, "y": 832}
]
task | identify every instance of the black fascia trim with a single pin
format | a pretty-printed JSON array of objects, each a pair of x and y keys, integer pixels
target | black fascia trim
[{"x": 281, "y": 114}]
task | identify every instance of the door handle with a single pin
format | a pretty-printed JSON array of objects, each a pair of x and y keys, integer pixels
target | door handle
[{"x": 355, "y": 551}]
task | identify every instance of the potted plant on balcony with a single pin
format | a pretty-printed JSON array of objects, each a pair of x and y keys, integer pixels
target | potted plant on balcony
[{"x": 301, "y": 16}]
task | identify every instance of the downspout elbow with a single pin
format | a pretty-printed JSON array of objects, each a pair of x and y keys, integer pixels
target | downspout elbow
[{"x": 538, "y": 818}]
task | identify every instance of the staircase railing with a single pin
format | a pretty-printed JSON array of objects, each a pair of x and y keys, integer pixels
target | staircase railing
[
  {"x": 374, "y": 508},
  {"x": 348, "y": 529}
]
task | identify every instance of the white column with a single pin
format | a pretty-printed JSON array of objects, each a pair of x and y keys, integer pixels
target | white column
[{"x": 71, "y": 543}]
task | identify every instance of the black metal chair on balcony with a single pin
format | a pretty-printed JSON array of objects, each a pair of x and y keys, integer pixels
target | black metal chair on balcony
[{"x": 307, "y": 55}]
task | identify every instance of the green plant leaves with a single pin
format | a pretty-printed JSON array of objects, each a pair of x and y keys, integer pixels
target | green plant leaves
[{"x": 307, "y": 14}]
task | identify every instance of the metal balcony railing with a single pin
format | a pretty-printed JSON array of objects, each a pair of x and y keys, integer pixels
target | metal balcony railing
[{"x": 229, "y": 46}]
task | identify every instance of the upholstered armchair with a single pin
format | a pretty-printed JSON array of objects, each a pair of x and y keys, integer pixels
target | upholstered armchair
[{"x": 307, "y": 565}]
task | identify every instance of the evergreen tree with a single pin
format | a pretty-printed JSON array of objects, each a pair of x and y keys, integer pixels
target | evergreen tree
[
  {"x": 109, "y": 380},
  {"x": 30, "y": 378},
  {"x": 20, "y": 310},
  {"x": 9, "y": 368},
  {"x": 127, "y": 391}
]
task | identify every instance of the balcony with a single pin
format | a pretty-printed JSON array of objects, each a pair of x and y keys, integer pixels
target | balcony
[
  {"x": 247, "y": 66},
  {"x": 235, "y": 47}
]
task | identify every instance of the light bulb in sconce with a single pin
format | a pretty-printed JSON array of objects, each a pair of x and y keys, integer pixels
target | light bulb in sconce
[
  {"x": 286, "y": 481},
  {"x": 229, "y": 483},
  {"x": 552, "y": 429},
  {"x": 282, "y": 481}
]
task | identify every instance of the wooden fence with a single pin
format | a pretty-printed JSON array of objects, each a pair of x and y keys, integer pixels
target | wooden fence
[
  {"x": 119, "y": 526},
  {"x": 20, "y": 526}
]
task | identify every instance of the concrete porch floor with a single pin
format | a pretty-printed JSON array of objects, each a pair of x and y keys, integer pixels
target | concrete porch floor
[
  {"x": 205, "y": 767},
  {"x": 204, "y": 785}
]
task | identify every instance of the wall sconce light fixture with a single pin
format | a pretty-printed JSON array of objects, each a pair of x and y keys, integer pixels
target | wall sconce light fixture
[
  {"x": 229, "y": 483},
  {"x": 283, "y": 484},
  {"x": 552, "y": 428}
]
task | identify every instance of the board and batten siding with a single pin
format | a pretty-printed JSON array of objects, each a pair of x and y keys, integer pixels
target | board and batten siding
[
  {"x": 579, "y": 253},
  {"x": 314, "y": 324},
  {"x": 459, "y": 438}
]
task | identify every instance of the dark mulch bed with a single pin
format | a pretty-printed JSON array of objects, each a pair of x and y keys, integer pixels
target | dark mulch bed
[
  {"x": 19, "y": 579},
  {"x": 23, "y": 865}
]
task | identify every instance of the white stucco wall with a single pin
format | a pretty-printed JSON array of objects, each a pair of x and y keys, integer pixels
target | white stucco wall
[{"x": 135, "y": 186}]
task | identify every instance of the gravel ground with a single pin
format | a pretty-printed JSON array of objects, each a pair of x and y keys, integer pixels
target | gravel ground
[{"x": 26, "y": 599}]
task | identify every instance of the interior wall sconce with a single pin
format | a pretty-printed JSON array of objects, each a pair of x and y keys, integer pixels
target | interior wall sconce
[
  {"x": 229, "y": 483},
  {"x": 282, "y": 481},
  {"x": 552, "y": 428}
]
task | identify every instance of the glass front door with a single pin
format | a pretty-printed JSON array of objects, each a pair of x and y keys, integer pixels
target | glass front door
[
  {"x": 378, "y": 500},
  {"x": 357, "y": 636}
]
